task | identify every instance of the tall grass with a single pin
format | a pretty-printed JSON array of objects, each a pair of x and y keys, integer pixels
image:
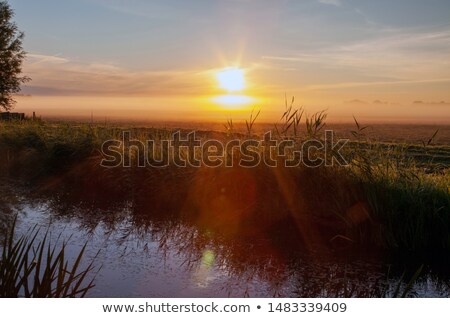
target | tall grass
[
  {"x": 32, "y": 268},
  {"x": 290, "y": 120},
  {"x": 251, "y": 122},
  {"x": 385, "y": 197},
  {"x": 412, "y": 204}
]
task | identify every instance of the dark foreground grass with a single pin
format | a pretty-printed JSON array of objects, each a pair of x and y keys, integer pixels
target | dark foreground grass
[{"x": 40, "y": 269}]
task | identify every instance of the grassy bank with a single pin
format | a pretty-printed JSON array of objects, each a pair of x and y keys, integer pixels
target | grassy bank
[{"x": 390, "y": 196}]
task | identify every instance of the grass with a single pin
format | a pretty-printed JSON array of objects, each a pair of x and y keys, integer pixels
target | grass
[
  {"x": 29, "y": 268},
  {"x": 391, "y": 196},
  {"x": 407, "y": 194}
]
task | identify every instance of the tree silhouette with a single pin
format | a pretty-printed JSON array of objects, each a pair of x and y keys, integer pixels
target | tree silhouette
[{"x": 11, "y": 57}]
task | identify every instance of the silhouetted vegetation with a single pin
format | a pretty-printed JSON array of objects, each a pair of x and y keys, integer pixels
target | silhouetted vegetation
[
  {"x": 11, "y": 57},
  {"x": 40, "y": 269}
]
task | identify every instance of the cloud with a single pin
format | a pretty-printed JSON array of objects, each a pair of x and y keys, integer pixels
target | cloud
[
  {"x": 394, "y": 56},
  {"x": 55, "y": 75},
  {"x": 373, "y": 83},
  {"x": 40, "y": 58},
  {"x": 332, "y": 2}
]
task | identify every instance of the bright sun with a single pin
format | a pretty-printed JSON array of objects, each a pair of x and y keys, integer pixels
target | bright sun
[{"x": 231, "y": 79}]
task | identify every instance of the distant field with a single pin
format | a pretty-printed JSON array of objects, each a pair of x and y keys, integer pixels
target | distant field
[{"x": 390, "y": 132}]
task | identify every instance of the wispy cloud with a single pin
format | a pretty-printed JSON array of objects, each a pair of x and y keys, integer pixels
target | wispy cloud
[
  {"x": 40, "y": 58},
  {"x": 332, "y": 2},
  {"x": 373, "y": 83},
  {"x": 56, "y": 75},
  {"x": 400, "y": 56}
]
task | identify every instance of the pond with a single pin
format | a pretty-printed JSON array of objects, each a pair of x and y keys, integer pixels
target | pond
[{"x": 144, "y": 252}]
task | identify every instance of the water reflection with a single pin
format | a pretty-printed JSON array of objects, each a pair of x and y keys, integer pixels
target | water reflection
[{"x": 215, "y": 241}]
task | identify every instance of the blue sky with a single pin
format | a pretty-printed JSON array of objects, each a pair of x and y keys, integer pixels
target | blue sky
[{"x": 323, "y": 51}]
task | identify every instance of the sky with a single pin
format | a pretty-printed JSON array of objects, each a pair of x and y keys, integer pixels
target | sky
[{"x": 159, "y": 59}]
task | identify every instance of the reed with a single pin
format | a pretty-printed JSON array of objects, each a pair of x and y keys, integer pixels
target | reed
[{"x": 38, "y": 269}]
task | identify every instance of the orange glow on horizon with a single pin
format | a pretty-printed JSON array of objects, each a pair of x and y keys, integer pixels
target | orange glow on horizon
[{"x": 231, "y": 102}]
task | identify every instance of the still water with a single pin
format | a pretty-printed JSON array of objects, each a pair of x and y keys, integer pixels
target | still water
[{"x": 150, "y": 254}]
